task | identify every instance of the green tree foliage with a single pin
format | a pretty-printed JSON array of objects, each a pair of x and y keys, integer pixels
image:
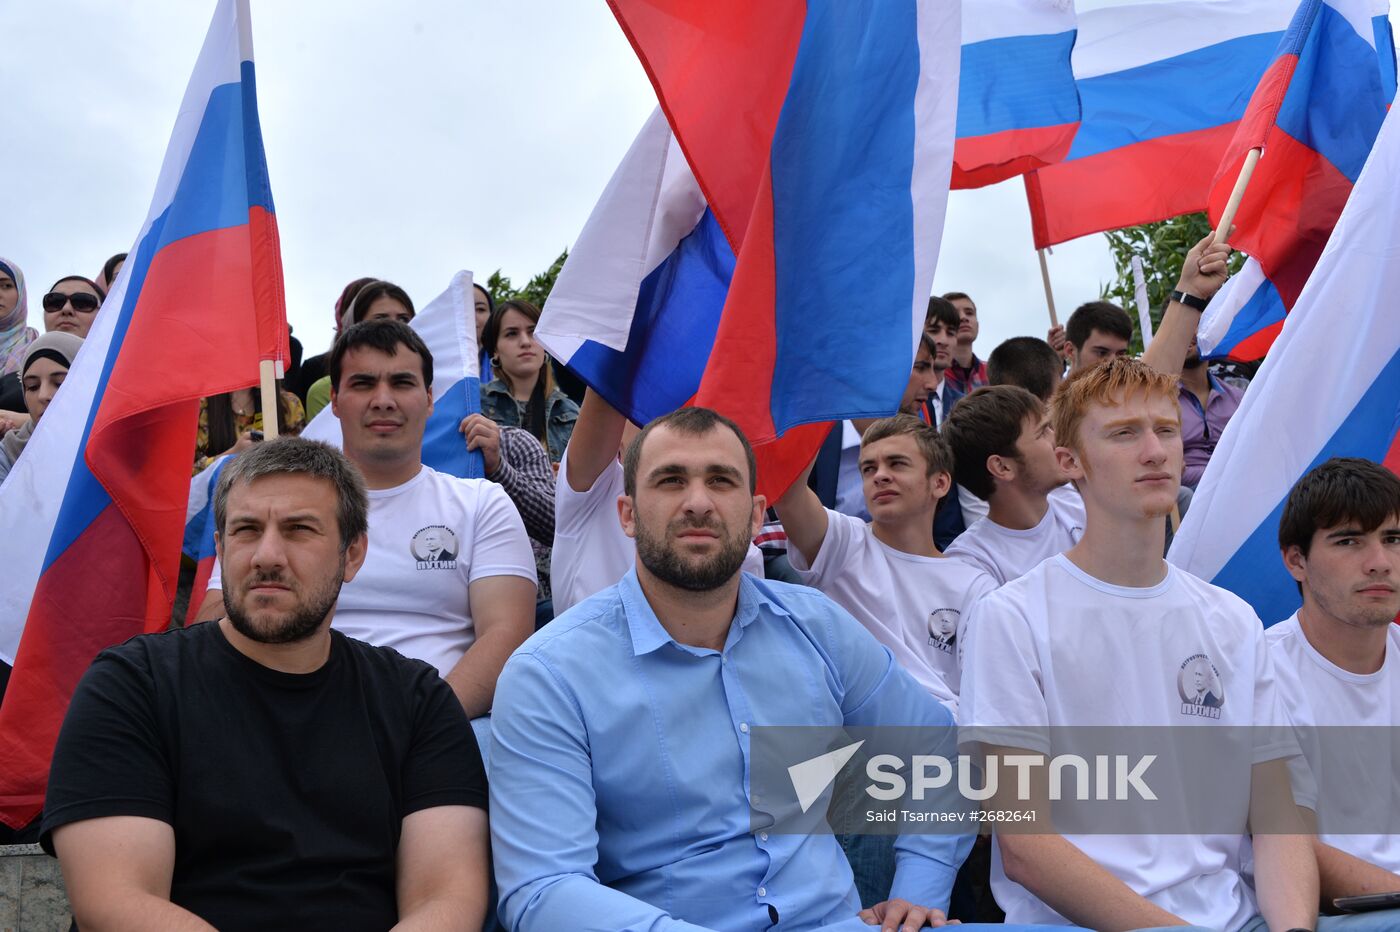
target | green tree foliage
[
  {"x": 501, "y": 288},
  {"x": 1163, "y": 247}
]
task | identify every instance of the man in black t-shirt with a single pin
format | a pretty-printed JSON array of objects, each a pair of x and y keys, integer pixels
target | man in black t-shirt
[{"x": 264, "y": 771}]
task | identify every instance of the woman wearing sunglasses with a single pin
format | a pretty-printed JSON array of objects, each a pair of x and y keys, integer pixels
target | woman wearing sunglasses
[{"x": 71, "y": 305}]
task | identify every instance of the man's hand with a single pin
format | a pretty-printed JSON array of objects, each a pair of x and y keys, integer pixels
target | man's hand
[
  {"x": 1056, "y": 338},
  {"x": 903, "y": 916},
  {"x": 1205, "y": 269},
  {"x": 483, "y": 434}
]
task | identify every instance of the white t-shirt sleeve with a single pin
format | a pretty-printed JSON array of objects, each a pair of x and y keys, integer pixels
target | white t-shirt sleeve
[
  {"x": 844, "y": 535},
  {"x": 1275, "y": 737},
  {"x": 500, "y": 546},
  {"x": 972, "y": 506},
  {"x": 1003, "y": 699},
  {"x": 573, "y": 511},
  {"x": 982, "y": 585}
]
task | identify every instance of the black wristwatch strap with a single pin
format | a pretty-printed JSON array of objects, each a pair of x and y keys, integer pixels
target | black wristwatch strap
[{"x": 1199, "y": 304}]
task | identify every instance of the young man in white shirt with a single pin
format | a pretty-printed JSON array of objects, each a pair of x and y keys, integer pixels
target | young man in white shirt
[
  {"x": 1104, "y": 635},
  {"x": 1338, "y": 663},
  {"x": 590, "y": 551},
  {"x": 1004, "y": 453},
  {"x": 449, "y": 577},
  {"x": 888, "y": 573}
]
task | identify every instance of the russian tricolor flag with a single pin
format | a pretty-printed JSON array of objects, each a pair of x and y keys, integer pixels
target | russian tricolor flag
[
  {"x": 821, "y": 136},
  {"x": 636, "y": 306},
  {"x": 198, "y": 544},
  {"x": 447, "y": 328},
  {"x": 1018, "y": 107},
  {"x": 94, "y": 511},
  {"x": 1315, "y": 114},
  {"x": 1244, "y": 318},
  {"x": 1162, "y": 86},
  {"x": 1291, "y": 421}
]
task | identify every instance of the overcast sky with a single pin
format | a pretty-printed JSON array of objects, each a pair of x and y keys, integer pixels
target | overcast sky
[{"x": 404, "y": 141}]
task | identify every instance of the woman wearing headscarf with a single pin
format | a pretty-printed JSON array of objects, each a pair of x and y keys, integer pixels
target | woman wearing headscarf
[
  {"x": 44, "y": 366},
  {"x": 15, "y": 336},
  {"x": 15, "y": 332}
]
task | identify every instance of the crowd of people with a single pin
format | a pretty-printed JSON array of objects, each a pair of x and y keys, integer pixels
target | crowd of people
[{"x": 529, "y": 701}]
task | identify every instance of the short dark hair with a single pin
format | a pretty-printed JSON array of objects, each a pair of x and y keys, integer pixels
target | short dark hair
[
  {"x": 1029, "y": 362},
  {"x": 987, "y": 423},
  {"x": 693, "y": 421},
  {"x": 955, "y": 295},
  {"x": 1098, "y": 315},
  {"x": 383, "y": 335},
  {"x": 306, "y": 457},
  {"x": 1343, "y": 490},
  {"x": 941, "y": 311},
  {"x": 937, "y": 456}
]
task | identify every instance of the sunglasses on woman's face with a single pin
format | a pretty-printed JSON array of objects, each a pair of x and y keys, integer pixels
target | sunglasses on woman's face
[{"x": 82, "y": 301}]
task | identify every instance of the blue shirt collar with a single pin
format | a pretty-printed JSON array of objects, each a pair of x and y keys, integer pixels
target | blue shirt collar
[{"x": 647, "y": 632}]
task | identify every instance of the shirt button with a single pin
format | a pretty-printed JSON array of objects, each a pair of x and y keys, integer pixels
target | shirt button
[
  {"x": 762, "y": 836},
  {"x": 762, "y": 891},
  {"x": 744, "y": 727}
]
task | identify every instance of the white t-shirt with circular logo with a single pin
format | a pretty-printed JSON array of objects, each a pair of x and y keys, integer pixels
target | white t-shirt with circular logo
[
  {"x": 1058, "y": 647},
  {"x": 914, "y": 605},
  {"x": 429, "y": 539}
]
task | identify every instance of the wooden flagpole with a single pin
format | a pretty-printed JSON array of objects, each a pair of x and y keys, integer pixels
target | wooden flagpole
[
  {"x": 268, "y": 378},
  {"x": 1049, "y": 295},
  {"x": 1227, "y": 218}
]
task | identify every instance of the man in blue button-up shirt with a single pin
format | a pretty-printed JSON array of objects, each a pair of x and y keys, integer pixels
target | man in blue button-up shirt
[{"x": 620, "y": 793}]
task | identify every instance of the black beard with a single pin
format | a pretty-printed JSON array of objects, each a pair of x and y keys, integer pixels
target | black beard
[
  {"x": 300, "y": 625},
  {"x": 1193, "y": 362},
  {"x": 666, "y": 565}
]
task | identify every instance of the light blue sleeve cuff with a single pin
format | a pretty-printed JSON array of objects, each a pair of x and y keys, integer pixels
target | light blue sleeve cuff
[{"x": 922, "y": 880}]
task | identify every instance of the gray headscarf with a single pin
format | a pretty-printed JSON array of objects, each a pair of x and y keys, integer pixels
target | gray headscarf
[{"x": 58, "y": 346}]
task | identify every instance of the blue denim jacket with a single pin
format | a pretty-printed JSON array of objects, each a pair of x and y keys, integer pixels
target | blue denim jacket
[{"x": 499, "y": 405}]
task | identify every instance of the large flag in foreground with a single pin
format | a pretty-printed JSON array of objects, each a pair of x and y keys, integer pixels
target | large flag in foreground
[
  {"x": 821, "y": 135},
  {"x": 1018, "y": 107},
  {"x": 1288, "y": 424},
  {"x": 447, "y": 328},
  {"x": 1315, "y": 114},
  {"x": 1163, "y": 86},
  {"x": 94, "y": 511}
]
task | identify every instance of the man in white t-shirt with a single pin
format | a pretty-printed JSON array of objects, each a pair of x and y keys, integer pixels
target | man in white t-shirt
[
  {"x": 590, "y": 551},
  {"x": 449, "y": 577},
  {"x": 1004, "y": 453},
  {"x": 1338, "y": 663},
  {"x": 1106, "y": 635},
  {"x": 888, "y": 573}
]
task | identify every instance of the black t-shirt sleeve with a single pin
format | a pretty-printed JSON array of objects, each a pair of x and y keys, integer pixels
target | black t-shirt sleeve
[
  {"x": 110, "y": 759},
  {"x": 443, "y": 765}
]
